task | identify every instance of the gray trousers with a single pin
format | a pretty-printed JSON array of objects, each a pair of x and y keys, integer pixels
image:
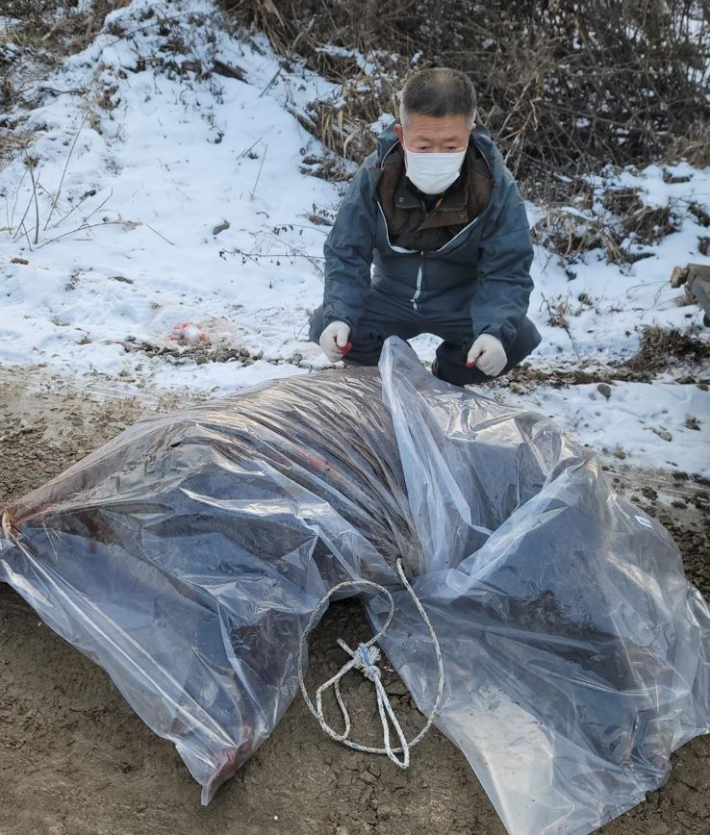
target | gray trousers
[{"x": 385, "y": 317}]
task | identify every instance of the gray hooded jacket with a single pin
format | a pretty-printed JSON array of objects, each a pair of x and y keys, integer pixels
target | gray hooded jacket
[{"x": 484, "y": 268}]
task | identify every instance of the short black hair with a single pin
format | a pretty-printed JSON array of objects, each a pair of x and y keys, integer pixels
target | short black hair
[{"x": 438, "y": 92}]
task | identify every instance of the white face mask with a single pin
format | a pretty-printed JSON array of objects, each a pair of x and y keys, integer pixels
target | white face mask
[{"x": 433, "y": 173}]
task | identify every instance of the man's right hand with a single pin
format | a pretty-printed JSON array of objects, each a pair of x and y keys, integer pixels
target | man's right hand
[{"x": 335, "y": 341}]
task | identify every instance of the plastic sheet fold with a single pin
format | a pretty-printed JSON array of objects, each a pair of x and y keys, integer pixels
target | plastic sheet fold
[{"x": 187, "y": 555}]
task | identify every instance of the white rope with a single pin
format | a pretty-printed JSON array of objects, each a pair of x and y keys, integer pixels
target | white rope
[{"x": 365, "y": 659}]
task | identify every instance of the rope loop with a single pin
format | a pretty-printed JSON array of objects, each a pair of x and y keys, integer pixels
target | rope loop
[{"x": 365, "y": 659}]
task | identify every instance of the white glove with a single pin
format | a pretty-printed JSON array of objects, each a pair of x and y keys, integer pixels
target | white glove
[
  {"x": 335, "y": 341},
  {"x": 488, "y": 354}
]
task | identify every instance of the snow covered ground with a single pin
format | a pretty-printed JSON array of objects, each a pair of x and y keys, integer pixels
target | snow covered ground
[{"x": 169, "y": 234}]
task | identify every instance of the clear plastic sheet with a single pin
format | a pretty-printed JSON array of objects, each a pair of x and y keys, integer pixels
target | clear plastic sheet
[{"x": 186, "y": 556}]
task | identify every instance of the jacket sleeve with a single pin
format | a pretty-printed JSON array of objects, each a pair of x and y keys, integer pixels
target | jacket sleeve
[
  {"x": 348, "y": 251},
  {"x": 500, "y": 300}
]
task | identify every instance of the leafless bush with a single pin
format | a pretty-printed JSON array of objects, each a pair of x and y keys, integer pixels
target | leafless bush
[
  {"x": 35, "y": 36},
  {"x": 693, "y": 145},
  {"x": 619, "y": 225},
  {"x": 565, "y": 86},
  {"x": 60, "y": 27},
  {"x": 658, "y": 345},
  {"x": 570, "y": 236}
]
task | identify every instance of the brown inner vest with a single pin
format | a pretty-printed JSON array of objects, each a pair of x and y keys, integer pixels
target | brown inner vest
[{"x": 409, "y": 224}]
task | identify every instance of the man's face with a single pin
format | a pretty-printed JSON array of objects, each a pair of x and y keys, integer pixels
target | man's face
[{"x": 435, "y": 135}]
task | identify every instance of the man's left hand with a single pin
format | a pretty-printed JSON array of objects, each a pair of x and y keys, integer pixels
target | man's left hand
[{"x": 488, "y": 354}]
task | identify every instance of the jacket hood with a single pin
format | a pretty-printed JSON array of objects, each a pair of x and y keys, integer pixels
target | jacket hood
[{"x": 480, "y": 136}]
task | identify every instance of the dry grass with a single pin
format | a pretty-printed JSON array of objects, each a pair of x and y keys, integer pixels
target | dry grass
[
  {"x": 565, "y": 87},
  {"x": 618, "y": 227},
  {"x": 55, "y": 26},
  {"x": 571, "y": 237},
  {"x": 693, "y": 145},
  {"x": 661, "y": 346},
  {"x": 702, "y": 217},
  {"x": 42, "y": 34}
]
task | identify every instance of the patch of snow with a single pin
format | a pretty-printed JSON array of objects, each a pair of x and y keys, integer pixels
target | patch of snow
[
  {"x": 130, "y": 251},
  {"x": 646, "y": 423},
  {"x": 169, "y": 199}
]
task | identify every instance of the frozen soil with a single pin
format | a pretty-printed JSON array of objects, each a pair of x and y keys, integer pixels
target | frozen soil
[{"x": 76, "y": 760}]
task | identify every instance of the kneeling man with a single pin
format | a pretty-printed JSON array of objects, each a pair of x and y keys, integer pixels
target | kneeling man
[{"x": 441, "y": 218}]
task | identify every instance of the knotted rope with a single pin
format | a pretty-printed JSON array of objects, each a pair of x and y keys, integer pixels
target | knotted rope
[{"x": 365, "y": 659}]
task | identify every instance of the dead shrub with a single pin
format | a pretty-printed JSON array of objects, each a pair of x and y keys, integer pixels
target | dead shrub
[
  {"x": 700, "y": 214},
  {"x": 622, "y": 201},
  {"x": 564, "y": 86},
  {"x": 568, "y": 235},
  {"x": 648, "y": 225},
  {"x": 61, "y": 28},
  {"x": 693, "y": 145},
  {"x": 571, "y": 236},
  {"x": 661, "y": 347}
]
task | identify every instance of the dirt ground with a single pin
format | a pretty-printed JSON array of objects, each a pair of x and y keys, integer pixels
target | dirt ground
[{"x": 76, "y": 760}]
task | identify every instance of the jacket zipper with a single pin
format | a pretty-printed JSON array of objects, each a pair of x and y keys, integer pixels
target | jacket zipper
[{"x": 420, "y": 276}]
